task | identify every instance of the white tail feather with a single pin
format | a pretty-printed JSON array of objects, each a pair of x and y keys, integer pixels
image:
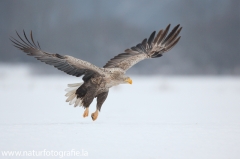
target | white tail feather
[
  {"x": 70, "y": 93},
  {"x": 80, "y": 103},
  {"x": 73, "y": 101},
  {"x": 72, "y": 97},
  {"x": 77, "y": 102},
  {"x": 70, "y": 89},
  {"x": 75, "y": 84}
]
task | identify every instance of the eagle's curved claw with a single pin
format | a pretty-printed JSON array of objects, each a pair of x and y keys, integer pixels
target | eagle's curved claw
[
  {"x": 85, "y": 114},
  {"x": 94, "y": 115}
]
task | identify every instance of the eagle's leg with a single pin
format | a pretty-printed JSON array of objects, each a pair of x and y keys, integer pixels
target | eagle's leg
[
  {"x": 85, "y": 114},
  {"x": 94, "y": 115},
  {"x": 100, "y": 100},
  {"x": 87, "y": 100}
]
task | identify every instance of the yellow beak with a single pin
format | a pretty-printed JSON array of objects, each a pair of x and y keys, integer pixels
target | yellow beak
[{"x": 129, "y": 80}]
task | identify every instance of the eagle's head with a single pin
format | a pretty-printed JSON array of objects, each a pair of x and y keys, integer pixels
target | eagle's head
[{"x": 126, "y": 80}]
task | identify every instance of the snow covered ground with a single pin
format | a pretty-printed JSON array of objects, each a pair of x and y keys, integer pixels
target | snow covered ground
[{"x": 155, "y": 118}]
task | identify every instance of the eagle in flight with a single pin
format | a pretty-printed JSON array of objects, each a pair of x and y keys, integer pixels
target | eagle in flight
[{"x": 97, "y": 80}]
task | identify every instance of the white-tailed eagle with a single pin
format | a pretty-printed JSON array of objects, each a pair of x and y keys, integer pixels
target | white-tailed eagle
[{"x": 97, "y": 80}]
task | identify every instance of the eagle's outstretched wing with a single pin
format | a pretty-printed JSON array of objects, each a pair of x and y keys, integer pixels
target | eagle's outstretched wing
[
  {"x": 151, "y": 48},
  {"x": 68, "y": 64}
]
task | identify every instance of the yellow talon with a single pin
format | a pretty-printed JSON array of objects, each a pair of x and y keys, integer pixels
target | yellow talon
[
  {"x": 85, "y": 114},
  {"x": 94, "y": 115}
]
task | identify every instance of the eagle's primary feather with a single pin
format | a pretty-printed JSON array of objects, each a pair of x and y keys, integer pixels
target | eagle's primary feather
[
  {"x": 97, "y": 81},
  {"x": 151, "y": 48}
]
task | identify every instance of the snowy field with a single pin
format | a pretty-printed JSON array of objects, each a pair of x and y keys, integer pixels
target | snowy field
[{"x": 155, "y": 118}]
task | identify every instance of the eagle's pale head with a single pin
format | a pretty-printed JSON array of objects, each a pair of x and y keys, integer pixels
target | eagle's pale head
[{"x": 127, "y": 80}]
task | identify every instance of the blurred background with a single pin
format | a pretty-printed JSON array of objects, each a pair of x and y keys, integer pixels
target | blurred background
[
  {"x": 96, "y": 31},
  {"x": 184, "y": 104}
]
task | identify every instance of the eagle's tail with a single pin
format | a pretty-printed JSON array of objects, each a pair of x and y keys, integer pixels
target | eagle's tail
[{"x": 71, "y": 94}]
